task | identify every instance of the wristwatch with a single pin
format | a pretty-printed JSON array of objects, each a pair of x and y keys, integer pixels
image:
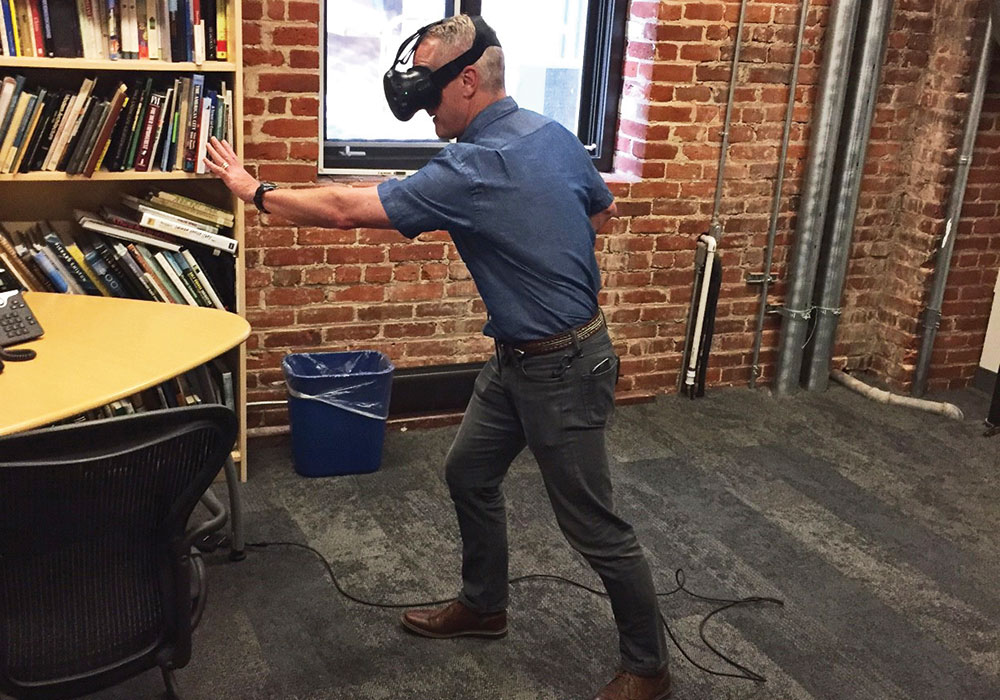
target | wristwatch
[{"x": 258, "y": 196}]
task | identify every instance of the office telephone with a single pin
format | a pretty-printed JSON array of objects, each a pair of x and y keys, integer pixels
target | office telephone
[{"x": 17, "y": 325}]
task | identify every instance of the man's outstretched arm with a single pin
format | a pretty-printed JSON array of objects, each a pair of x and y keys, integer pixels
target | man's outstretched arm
[
  {"x": 601, "y": 218},
  {"x": 332, "y": 206}
]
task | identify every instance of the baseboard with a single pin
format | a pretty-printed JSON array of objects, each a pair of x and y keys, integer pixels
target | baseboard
[
  {"x": 984, "y": 380},
  {"x": 443, "y": 389}
]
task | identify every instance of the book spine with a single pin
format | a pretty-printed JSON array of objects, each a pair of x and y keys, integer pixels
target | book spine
[
  {"x": 145, "y": 144},
  {"x": 121, "y": 252},
  {"x": 79, "y": 276},
  {"x": 171, "y": 272},
  {"x": 151, "y": 276},
  {"x": 58, "y": 282},
  {"x": 190, "y": 233},
  {"x": 101, "y": 269},
  {"x": 206, "y": 285},
  {"x": 74, "y": 250},
  {"x": 37, "y": 28},
  {"x": 131, "y": 287},
  {"x": 194, "y": 121}
]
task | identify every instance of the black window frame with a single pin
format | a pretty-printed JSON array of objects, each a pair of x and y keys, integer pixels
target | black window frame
[{"x": 600, "y": 94}]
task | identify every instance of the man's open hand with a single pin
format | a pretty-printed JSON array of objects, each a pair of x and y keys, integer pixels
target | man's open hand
[{"x": 223, "y": 161}]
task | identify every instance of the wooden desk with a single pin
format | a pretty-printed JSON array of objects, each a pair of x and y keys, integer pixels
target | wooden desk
[{"x": 99, "y": 349}]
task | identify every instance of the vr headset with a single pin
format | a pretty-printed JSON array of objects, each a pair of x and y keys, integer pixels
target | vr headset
[{"x": 410, "y": 91}]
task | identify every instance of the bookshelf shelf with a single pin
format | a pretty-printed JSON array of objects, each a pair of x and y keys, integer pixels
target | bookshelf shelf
[
  {"x": 127, "y": 176},
  {"x": 23, "y": 62},
  {"x": 47, "y": 195}
]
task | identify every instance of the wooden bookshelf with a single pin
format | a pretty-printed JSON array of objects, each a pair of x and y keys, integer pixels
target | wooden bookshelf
[
  {"x": 47, "y": 176},
  {"x": 54, "y": 195},
  {"x": 138, "y": 66}
]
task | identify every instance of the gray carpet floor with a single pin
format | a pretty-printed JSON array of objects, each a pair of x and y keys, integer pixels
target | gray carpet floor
[{"x": 876, "y": 525}]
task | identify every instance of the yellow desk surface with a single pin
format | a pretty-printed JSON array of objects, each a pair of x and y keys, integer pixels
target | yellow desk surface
[{"x": 99, "y": 349}]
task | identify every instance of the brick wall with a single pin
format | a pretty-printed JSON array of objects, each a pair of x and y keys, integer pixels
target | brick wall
[{"x": 310, "y": 289}]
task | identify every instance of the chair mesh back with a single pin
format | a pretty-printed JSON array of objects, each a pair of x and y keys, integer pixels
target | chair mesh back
[{"x": 88, "y": 542}]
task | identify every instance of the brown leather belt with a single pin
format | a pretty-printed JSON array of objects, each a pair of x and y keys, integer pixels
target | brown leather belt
[{"x": 560, "y": 340}]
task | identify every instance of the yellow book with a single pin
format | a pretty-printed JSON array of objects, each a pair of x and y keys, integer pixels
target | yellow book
[
  {"x": 221, "y": 31},
  {"x": 74, "y": 250},
  {"x": 13, "y": 25}
]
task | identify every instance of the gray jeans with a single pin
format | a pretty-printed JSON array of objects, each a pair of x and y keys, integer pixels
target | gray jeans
[{"x": 557, "y": 404}]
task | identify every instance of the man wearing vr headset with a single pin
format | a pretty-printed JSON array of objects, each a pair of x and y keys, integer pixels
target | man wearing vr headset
[{"x": 522, "y": 201}]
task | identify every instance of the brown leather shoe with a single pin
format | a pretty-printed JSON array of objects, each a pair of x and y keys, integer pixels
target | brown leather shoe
[
  {"x": 628, "y": 686},
  {"x": 455, "y": 620}
]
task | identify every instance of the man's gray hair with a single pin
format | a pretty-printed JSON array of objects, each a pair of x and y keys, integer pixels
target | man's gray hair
[{"x": 457, "y": 35}]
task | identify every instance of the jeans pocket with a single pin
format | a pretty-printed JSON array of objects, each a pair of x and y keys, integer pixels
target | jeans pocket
[{"x": 599, "y": 390}]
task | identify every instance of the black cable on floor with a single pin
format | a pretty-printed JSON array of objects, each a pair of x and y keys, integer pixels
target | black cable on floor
[{"x": 726, "y": 603}]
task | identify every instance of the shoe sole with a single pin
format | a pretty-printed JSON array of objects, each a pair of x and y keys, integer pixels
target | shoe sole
[{"x": 434, "y": 635}]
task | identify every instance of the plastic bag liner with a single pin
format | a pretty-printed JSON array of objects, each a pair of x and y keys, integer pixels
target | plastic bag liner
[
  {"x": 358, "y": 382},
  {"x": 338, "y": 403}
]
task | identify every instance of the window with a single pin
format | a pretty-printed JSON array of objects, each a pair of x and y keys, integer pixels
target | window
[{"x": 563, "y": 59}]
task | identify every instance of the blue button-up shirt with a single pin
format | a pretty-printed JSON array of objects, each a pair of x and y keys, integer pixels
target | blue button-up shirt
[{"x": 516, "y": 193}]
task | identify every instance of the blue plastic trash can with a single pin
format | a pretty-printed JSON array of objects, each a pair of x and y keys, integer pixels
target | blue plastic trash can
[{"x": 338, "y": 403}]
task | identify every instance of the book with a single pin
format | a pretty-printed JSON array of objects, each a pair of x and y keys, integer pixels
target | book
[
  {"x": 18, "y": 129},
  {"x": 35, "y": 11},
  {"x": 118, "y": 148},
  {"x": 202, "y": 278},
  {"x": 132, "y": 268},
  {"x": 26, "y": 273},
  {"x": 65, "y": 23},
  {"x": 171, "y": 272},
  {"x": 14, "y": 94},
  {"x": 85, "y": 139},
  {"x": 29, "y": 134},
  {"x": 189, "y": 279},
  {"x": 77, "y": 253},
  {"x": 136, "y": 131},
  {"x": 133, "y": 289},
  {"x": 103, "y": 138},
  {"x": 56, "y": 245},
  {"x": 146, "y": 141},
  {"x": 17, "y": 117},
  {"x": 150, "y": 273},
  {"x": 49, "y": 109},
  {"x": 92, "y": 222},
  {"x": 193, "y": 124},
  {"x": 157, "y": 270},
  {"x": 68, "y": 124},
  {"x": 101, "y": 269},
  {"x": 192, "y": 208},
  {"x": 41, "y": 154}
]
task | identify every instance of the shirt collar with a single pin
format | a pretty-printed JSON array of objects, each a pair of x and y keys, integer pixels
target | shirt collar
[{"x": 487, "y": 116}]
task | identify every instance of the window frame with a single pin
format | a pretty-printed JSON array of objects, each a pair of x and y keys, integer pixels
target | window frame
[{"x": 600, "y": 94}]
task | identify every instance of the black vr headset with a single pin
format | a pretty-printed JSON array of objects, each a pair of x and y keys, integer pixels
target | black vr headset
[{"x": 408, "y": 92}]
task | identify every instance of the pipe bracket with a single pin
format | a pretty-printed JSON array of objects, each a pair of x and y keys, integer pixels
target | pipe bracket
[
  {"x": 832, "y": 312},
  {"x": 804, "y": 314}
]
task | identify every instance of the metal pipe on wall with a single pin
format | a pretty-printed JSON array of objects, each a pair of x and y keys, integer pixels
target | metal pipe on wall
[
  {"x": 819, "y": 173},
  {"x": 715, "y": 229},
  {"x": 776, "y": 200},
  {"x": 932, "y": 314},
  {"x": 862, "y": 95}
]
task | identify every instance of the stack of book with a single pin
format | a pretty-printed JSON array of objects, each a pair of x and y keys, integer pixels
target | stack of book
[
  {"x": 161, "y": 247},
  {"x": 157, "y": 123},
  {"x": 166, "y": 30}
]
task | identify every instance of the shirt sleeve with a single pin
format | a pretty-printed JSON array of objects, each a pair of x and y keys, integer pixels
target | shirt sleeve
[
  {"x": 597, "y": 190},
  {"x": 436, "y": 197}
]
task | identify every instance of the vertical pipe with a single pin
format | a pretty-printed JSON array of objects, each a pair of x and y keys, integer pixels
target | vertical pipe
[
  {"x": 932, "y": 314},
  {"x": 862, "y": 96},
  {"x": 819, "y": 172},
  {"x": 715, "y": 229},
  {"x": 772, "y": 230}
]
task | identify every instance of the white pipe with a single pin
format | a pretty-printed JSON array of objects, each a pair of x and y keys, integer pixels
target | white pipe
[
  {"x": 706, "y": 282},
  {"x": 948, "y": 410}
]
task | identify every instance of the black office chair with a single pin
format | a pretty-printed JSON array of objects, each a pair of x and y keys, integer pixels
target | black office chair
[{"x": 98, "y": 579}]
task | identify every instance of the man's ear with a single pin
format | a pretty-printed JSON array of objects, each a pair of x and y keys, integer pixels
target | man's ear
[{"x": 470, "y": 81}]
